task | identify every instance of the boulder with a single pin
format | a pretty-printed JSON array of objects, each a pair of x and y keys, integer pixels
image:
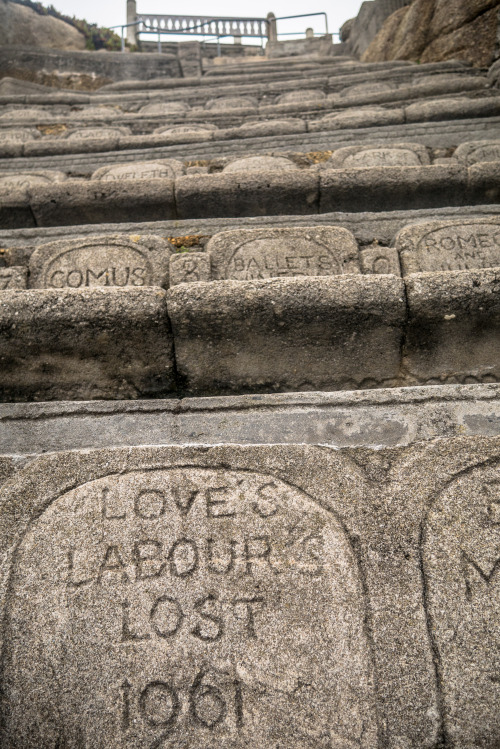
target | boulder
[{"x": 22, "y": 25}]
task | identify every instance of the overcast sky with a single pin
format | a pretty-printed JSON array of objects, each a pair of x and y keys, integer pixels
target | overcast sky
[{"x": 113, "y": 12}]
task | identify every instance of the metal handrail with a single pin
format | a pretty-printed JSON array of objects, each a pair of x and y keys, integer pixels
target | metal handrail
[{"x": 305, "y": 15}]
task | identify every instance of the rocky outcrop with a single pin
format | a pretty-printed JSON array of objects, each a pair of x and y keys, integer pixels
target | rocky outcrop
[
  {"x": 22, "y": 25},
  {"x": 436, "y": 30}
]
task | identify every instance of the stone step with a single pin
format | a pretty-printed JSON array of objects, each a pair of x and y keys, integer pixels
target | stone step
[
  {"x": 122, "y": 259},
  {"x": 450, "y": 129},
  {"x": 250, "y": 193},
  {"x": 369, "y": 229},
  {"x": 383, "y": 417},
  {"x": 279, "y": 334}
]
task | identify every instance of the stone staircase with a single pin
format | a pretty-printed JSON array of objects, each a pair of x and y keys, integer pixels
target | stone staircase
[
  {"x": 283, "y": 276},
  {"x": 290, "y": 188}
]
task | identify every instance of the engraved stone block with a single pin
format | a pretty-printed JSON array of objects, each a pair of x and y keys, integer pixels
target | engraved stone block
[
  {"x": 97, "y": 113},
  {"x": 301, "y": 97},
  {"x": 461, "y": 565},
  {"x": 13, "y": 277},
  {"x": 271, "y": 127},
  {"x": 474, "y": 152},
  {"x": 188, "y": 267},
  {"x": 249, "y": 254},
  {"x": 107, "y": 260},
  {"x": 96, "y": 133},
  {"x": 158, "y": 169},
  {"x": 41, "y": 115},
  {"x": 156, "y": 598},
  {"x": 449, "y": 245},
  {"x": 187, "y": 129},
  {"x": 365, "y": 117},
  {"x": 231, "y": 102},
  {"x": 378, "y": 259},
  {"x": 397, "y": 154},
  {"x": 260, "y": 163},
  {"x": 369, "y": 89},
  {"x": 27, "y": 179},
  {"x": 164, "y": 107},
  {"x": 19, "y": 135}
]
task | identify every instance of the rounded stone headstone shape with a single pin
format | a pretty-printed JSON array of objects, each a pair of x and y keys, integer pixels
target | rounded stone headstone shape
[
  {"x": 185, "y": 606},
  {"x": 101, "y": 261},
  {"x": 476, "y": 151},
  {"x": 297, "y": 97},
  {"x": 188, "y": 129},
  {"x": 158, "y": 169},
  {"x": 397, "y": 154},
  {"x": 27, "y": 114},
  {"x": 449, "y": 245},
  {"x": 19, "y": 135},
  {"x": 104, "y": 113},
  {"x": 272, "y": 127},
  {"x": 30, "y": 179},
  {"x": 260, "y": 163},
  {"x": 363, "y": 117},
  {"x": 231, "y": 102},
  {"x": 461, "y": 566},
  {"x": 164, "y": 107},
  {"x": 367, "y": 89},
  {"x": 97, "y": 133},
  {"x": 249, "y": 254}
]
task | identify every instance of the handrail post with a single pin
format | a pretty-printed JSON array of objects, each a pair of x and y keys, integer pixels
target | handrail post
[
  {"x": 272, "y": 31},
  {"x": 131, "y": 22}
]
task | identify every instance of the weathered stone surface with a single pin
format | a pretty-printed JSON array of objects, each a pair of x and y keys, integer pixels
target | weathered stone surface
[
  {"x": 260, "y": 163},
  {"x": 242, "y": 631},
  {"x": 301, "y": 97},
  {"x": 164, "y": 107},
  {"x": 272, "y": 127},
  {"x": 259, "y": 253},
  {"x": 19, "y": 135},
  {"x": 375, "y": 188},
  {"x": 453, "y": 331},
  {"x": 158, "y": 169},
  {"x": 231, "y": 102},
  {"x": 460, "y": 542},
  {"x": 449, "y": 245},
  {"x": 434, "y": 30},
  {"x": 189, "y": 267},
  {"x": 363, "y": 117},
  {"x": 267, "y": 552},
  {"x": 96, "y": 202},
  {"x": 107, "y": 260},
  {"x": 88, "y": 344},
  {"x": 20, "y": 180},
  {"x": 251, "y": 193},
  {"x": 367, "y": 88},
  {"x": 369, "y": 418},
  {"x": 22, "y": 25},
  {"x": 97, "y": 133},
  {"x": 287, "y": 333},
  {"x": 41, "y": 115},
  {"x": 188, "y": 128},
  {"x": 476, "y": 151},
  {"x": 442, "y": 109},
  {"x": 97, "y": 113},
  {"x": 13, "y": 277},
  {"x": 380, "y": 260},
  {"x": 397, "y": 154}
]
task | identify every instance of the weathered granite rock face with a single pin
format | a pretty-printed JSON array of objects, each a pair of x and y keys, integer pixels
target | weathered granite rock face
[
  {"x": 22, "y": 25},
  {"x": 432, "y": 30}
]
